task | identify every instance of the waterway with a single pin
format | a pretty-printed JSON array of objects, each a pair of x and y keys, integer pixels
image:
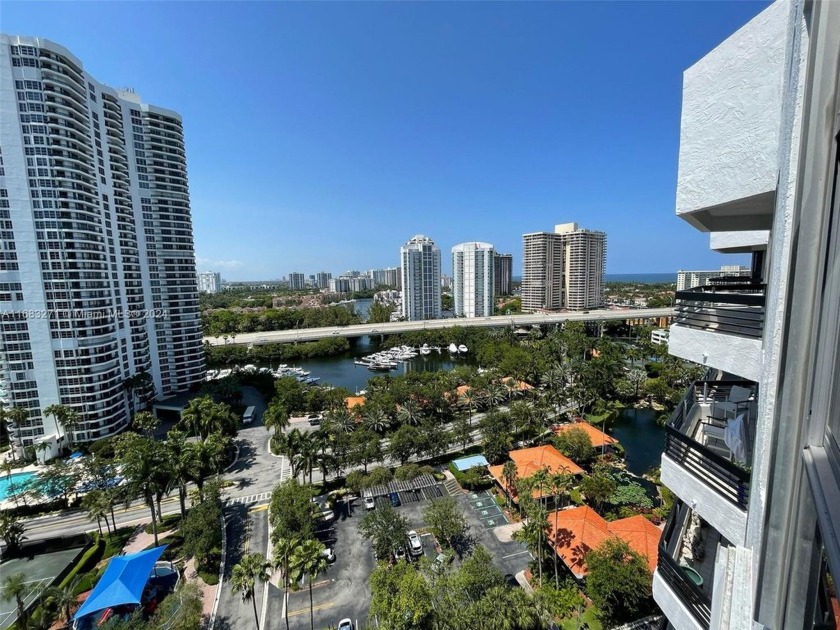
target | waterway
[{"x": 642, "y": 438}]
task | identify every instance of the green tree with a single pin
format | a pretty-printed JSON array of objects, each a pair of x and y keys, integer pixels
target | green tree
[
  {"x": 575, "y": 444},
  {"x": 308, "y": 559},
  {"x": 375, "y": 419},
  {"x": 97, "y": 504},
  {"x": 59, "y": 415},
  {"x": 291, "y": 511},
  {"x": 618, "y": 581},
  {"x": 409, "y": 413},
  {"x": 462, "y": 432},
  {"x": 446, "y": 521},
  {"x": 477, "y": 575},
  {"x": 15, "y": 587},
  {"x": 598, "y": 487},
  {"x": 365, "y": 448},
  {"x": 145, "y": 468},
  {"x": 252, "y": 568},
  {"x": 275, "y": 418},
  {"x": 380, "y": 313},
  {"x": 202, "y": 417},
  {"x": 146, "y": 422},
  {"x": 283, "y": 550},
  {"x": 509, "y": 475},
  {"x": 400, "y": 597},
  {"x": 403, "y": 444},
  {"x": 64, "y": 598},
  {"x": 182, "y": 457},
  {"x": 11, "y": 530},
  {"x": 202, "y": 529},
  {"x": 386, "y": 529}
]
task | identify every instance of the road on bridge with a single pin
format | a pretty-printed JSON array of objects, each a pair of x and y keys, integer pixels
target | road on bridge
[{"x": 390, "y": 328}]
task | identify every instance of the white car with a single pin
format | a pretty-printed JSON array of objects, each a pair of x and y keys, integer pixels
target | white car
[
  {"x": 345, "y": 624},
  {"x": 370, "y": 503},
  {"x": 415, "y": 545}
]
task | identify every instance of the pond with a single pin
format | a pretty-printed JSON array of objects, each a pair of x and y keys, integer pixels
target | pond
[{"x": 642, "y": 438}]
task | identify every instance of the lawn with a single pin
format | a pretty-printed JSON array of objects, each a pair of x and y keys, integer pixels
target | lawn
[{"x": 589, "y": 619}]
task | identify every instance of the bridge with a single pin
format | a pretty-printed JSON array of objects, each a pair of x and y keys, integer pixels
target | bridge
[{"x": 392, "y": 328}]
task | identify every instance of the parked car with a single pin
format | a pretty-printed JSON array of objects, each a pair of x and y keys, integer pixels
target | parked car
[
  {"x": 370, "y": 503},
  {"x": 345, "y": 624},
  {"x": 329, "y": 554},
  {"x": 415, "y": 545},
  {"x": 395, "y": 499},
  {"x": 314, "y": 418}
]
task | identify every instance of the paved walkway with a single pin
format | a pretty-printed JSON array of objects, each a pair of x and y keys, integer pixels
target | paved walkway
[
  {"x": 140, "y": 540},
  {"x": 208, "y": 593}
]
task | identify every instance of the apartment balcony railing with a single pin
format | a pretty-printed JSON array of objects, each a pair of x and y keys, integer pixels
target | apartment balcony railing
[
  {"x": 687, "y": 583},
  {"x": 733, "y": 305},
  {"x": 695, "y": 436}
]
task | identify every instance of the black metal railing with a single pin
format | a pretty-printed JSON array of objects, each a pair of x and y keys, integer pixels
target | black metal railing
[
  {"x": 691, "y": 595},
  {"x": 721, "y": 475},
  {"x": 730, "y": 307}
]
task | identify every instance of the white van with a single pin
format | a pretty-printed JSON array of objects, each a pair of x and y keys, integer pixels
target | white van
[{"x": 248, "y": 416}]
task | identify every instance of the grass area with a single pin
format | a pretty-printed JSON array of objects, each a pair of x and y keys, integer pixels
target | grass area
[
  {"x": 116, "y": 541},
  {"x": 589, "y": 619},
  {"x": 175, "y": 542},
  {"x": 168, "y": 522}
]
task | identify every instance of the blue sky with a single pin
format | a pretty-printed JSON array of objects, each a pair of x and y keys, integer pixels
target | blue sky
[{"x": 324, "y": 135}]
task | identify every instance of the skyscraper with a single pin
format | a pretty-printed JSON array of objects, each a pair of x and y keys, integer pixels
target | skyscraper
[
  {"x": 420, "y": 259},
  {"x": 502, "y": 274},
  {"x": 472, "y": 279},
  {"x": 209, "y": 282},
  {"x": 297, "y": 281},
  {"x": 97, "y": 264},
  {"x": 322, "y": 279},
  {"x": 563, "y": 269}
]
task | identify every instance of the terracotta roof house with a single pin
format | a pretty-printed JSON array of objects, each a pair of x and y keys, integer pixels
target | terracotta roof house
[
  {"x": 352, "y": 402},
  {"x": 530, "y": 460},
  {"x": 521, "y": 386},
  {"x": 582, "y": 529},
  {"x": 598, "y": 437}
]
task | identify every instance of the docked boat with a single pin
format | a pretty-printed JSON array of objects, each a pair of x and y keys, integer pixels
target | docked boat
[
  {"x": 381, "y": 367},
  {"x": 453, "y": 349},
  {"x": 462, "y": 349},
  {"x": 425, "y": 349}
]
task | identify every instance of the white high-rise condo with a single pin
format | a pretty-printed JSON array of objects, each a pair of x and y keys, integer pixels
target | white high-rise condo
[
  {"x": 420, "y": 259},
  {"x": 209, "y": 282},
  {"x": 297, "y": 281},
  {"x": 751, "y": 452},
  {"x": 472, "y": 279},
  {"x": 689, "y": 279},
  {"x": 563, "y": 269},
  {"x": 98, "y": 294}
]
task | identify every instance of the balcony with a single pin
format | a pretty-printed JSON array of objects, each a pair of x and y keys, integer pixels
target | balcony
[
  {"x": 684, "y": 580},
  {"x": 721, "y": 325},
  {"x": 708, "y": 449}
]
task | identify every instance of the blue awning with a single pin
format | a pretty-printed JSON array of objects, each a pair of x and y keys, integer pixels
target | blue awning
[
  {"x": 122, "y": 583},
  {"x": 468, "y": 462}
]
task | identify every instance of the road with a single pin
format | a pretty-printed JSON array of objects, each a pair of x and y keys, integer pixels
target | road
[{"x": 390, "y": 328}]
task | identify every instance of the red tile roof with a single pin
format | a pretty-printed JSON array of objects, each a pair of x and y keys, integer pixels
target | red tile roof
[
  {"x": 530, "y": 460},
  {"x": 598, "y": 437}
]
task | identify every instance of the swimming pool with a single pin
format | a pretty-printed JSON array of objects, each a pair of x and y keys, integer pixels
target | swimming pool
[{"x": 15, "y": 479}]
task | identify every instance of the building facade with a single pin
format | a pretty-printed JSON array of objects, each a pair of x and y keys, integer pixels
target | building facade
[
  {"x": 322, "y": 279},
  {"x": 386, "y": 277},
  {"x": 209, "y": 282},
  {"x": 420, "y": 264},
  {"x": 473, "y": 267},
  {"x": 97, "y": 265},
  {"x": 297, "y": 281},
  {"x": 689, "y": 279},
  {"x": 502, "y": 274},
  {"x": 542, "y": 272},
  {"x": 585, "y": 262},
  {"x": 751, "y": 451}
]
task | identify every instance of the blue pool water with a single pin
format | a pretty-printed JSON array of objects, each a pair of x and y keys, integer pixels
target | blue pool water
[{"x": 13, "y": 479}]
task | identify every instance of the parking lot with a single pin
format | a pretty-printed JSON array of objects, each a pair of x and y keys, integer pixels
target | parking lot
[{"x": 343, "y": 591}]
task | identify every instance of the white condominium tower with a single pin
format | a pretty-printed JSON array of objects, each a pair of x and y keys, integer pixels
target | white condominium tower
[
  {"x": 689, "y": 279},
  {"x": 751, "y": 451},
  {"x": 563, "y": 269},
  {"x": 420, "y": 261},
  {"x": 97, "y": 265},
  {"x": 209, "y": 282},
  {"x": 472, "y": 279}
]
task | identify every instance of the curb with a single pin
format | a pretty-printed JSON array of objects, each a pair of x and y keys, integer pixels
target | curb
[
  {"x": 212, "y": 622},
  {"x": 233, "y": 463}
]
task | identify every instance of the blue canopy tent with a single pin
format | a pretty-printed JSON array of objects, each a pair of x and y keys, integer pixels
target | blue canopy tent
[{"x": 122, "y": 583}]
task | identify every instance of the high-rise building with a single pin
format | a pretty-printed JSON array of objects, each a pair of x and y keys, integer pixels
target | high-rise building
[
  {"x": 322, "y": 279},
  {"x": 689, "y": 279},
  {"x": 361, "y": 283},
  {"x": 386, "y": 277},
  {"x": 472, "y": 279},
  {"x": 97, "y": 243},
  {"x": 297, "y": 281},
  {"x": 542, "y": 272},
  {"x": 209, "y": 282},
  {"x": 420, "y": 259},
  {"x": 563, "y": 269},
  {"x": 751, "y": 450},
  {"x": 340, "y": 285},
  {"x": 502, "y": 274}
]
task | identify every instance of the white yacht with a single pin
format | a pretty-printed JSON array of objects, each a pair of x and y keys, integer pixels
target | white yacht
[{"x": 453, "y": 349}]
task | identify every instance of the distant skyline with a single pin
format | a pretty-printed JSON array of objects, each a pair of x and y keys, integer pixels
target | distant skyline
[{"x": 322, "y": 136}]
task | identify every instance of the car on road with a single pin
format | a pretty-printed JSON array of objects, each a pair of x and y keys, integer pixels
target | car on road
[
  {"x": 329, "y": 554},
  {"x": 415, "y": 545},
  {"x": 314, "y": 418},
  {"x": 370, "y": 503},
  {"x": 345, "y": 624},
  {"x": 395, "y": 499}
]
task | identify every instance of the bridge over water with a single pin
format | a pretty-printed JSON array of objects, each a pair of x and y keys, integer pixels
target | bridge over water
[{"x": 391, "y": 328}]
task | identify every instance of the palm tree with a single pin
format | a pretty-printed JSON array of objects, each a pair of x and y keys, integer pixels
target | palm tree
[
  {"x": 509, "y": 473},
  {"x": 283, "y": 549},
  {"x": 182, "y": 463},
  {"x": 146, "y": 422},
  {"x": 15, "y": 587},
  {"x": 308, "y": 558},
  {"x": 471, "y": 396},
  {"x": 559, "y": 483},
  {"x": 409, "y": 413},
  {"x": 496, "y": 394},
  {"x": 71, "y": 422},
  {"x": 522, "y": 414},
  {"x": 96, "y": 505},
  {"x": 341, "y": 420},
  {"x": 275, "y": 417},
  {"x": 376, "y": 419},
  {"x": 58, "y": 413},
  {"x": 64, "y": 598},
  {"x": 11, "y": 530},
  {"x": 144, "y": 467},
  {"x": 253, "y": 567}
]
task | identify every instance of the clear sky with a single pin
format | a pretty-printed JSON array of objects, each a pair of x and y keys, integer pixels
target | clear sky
[{"x": 321, "y": 136}]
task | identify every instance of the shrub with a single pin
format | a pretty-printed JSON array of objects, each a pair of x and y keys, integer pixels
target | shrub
[
  {"x": 379, "y": 475},
  {"x": 356, "y": 481},
  {"x": 472, "y": 479},
  {"x": 407, "y": 472},
  {"x": 88, "y": 560}
]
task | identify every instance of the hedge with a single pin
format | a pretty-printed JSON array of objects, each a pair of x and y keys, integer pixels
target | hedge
[{"x": 89, "y": 560}]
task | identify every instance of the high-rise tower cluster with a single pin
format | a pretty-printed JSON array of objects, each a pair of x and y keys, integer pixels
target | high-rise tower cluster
[{"x": 98, "y": 289}]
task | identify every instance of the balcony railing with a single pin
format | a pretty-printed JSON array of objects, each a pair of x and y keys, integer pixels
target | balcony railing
[
  {"x": 692, "y": 596},
  {"x": 687, "y": 423},
  {"x": 726, "y": 306}
]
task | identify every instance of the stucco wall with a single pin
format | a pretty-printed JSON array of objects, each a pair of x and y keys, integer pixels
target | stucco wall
[
  {"x": 739, "y": 242},
  {"x": 729, "y": 134},
  {"x": 737, "y": 355}
]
